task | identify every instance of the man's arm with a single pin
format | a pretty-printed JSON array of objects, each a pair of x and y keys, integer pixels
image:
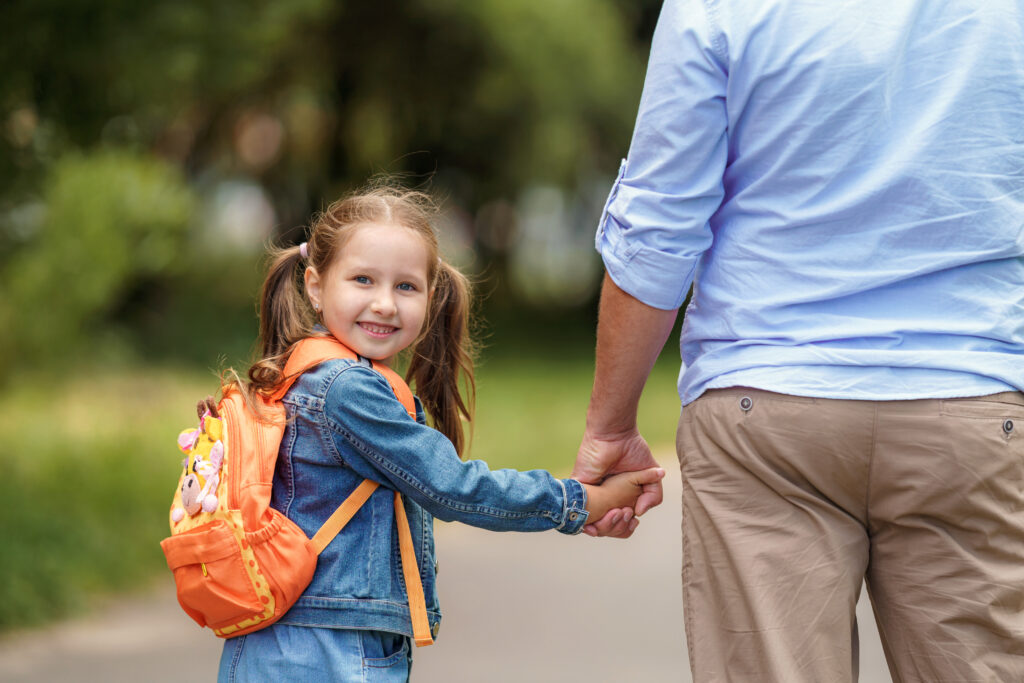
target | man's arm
[{"x": 630, "y": 335}]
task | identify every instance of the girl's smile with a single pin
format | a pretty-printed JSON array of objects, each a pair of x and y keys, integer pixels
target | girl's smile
[
  {"x": 380, "y": 331},
  {"x": 374, "y": 295}
]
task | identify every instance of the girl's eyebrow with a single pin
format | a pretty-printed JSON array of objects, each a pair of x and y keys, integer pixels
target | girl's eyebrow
[
  {"x": 413, "y": 278},
  {"x": 362, "y": 267}
]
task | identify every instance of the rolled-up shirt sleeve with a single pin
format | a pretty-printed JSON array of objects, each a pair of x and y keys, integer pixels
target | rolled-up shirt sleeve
[
  {"x": 655, "y": 224},
  {"x": 374, "y": 435}
]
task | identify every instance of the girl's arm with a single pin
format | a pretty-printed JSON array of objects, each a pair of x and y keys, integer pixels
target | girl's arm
[{"x": 371, "y": 433}]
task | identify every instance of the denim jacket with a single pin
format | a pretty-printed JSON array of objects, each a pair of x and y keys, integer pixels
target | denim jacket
[{"x": 346, "y": 425}]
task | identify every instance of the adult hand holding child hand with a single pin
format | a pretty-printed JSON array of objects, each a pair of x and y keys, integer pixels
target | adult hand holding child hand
[
  {"x": 620, "y": 491},
  {"x": 627, "y": 453}
]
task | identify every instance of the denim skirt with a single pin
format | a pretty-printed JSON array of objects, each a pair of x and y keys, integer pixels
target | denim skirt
[{"x": 316, "y": 655}]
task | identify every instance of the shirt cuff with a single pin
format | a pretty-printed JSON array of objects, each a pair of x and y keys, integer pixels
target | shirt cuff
[
  {"x": 653, "y": 277},
  {"x": 657, "y": 278},
  {"x": 574, "y": 510}
]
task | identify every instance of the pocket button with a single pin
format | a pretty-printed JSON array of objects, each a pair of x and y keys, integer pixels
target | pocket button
[{"x": 1008, "y": 426}]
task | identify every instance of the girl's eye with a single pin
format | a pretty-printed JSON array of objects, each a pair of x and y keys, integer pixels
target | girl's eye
[
  {"x": 362, "y": 279},
  {"x": 407, "y": 287}
]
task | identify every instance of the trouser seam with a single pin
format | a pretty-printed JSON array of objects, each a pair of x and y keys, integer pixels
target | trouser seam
[
  {"x": 687, "y": 561},
  {"x": 362, "y": 655},
  {"x": 236, "y": 657},
  {"x": 687, "y": 625},
  {"x": 872, "y": 451}
]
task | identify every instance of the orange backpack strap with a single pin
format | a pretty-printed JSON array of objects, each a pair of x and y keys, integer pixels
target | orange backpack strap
[
  {"x": 402, "y": 391},
  {"x": 311, "y": 352},
  {"x": 410, "y": 570},
  {"x": 413, "y": 586},
  {"x": 337, "y": 521},
  {"x": 307, "y": 354}
]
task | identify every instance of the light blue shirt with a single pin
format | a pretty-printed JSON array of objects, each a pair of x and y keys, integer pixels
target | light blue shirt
[{"x": 843, "y": 184}]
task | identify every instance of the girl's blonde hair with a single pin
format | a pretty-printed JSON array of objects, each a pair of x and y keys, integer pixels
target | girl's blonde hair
[{"x": 442, "y": 356}]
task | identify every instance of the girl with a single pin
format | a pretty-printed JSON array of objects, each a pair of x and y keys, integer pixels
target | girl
[{"x": 370, "y": 275}]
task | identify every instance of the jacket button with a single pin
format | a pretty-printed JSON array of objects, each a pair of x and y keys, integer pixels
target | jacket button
[
  {"x": 1008, "y": 426},
  {"x": 435, "y": 628},
  {"x": 573, "y": 516},
  {"x": 746, "y": 404}
]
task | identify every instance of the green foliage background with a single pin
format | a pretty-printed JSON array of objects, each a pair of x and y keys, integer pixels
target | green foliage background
[{"x": 126, "y": 128}]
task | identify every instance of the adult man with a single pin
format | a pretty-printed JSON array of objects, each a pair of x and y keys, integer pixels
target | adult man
[{"x": 843, "y": 182}]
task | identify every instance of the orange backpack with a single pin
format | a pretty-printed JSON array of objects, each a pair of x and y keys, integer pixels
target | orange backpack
[{"x": 238, "y": 563}]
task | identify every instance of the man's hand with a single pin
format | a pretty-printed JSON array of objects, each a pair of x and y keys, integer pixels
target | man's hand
[
  {"x": 600, "y": 456},
  {"x": 630, "y": 334}
]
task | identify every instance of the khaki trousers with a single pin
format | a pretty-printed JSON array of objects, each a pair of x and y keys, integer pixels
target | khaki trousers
[{"x": 789, "y": 502}]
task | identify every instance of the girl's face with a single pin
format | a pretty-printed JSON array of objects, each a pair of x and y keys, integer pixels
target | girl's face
[{"x": 374, "y": 295}]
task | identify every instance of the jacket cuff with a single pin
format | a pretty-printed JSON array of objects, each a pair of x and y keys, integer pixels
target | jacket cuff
[{"x": 574, "y": 510}]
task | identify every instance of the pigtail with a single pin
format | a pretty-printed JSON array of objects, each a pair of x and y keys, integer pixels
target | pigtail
[
  {"x": 443, "y": 357},
  {"x": 284, "y": 318}
]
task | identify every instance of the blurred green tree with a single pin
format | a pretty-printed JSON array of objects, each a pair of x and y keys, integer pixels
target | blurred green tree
[
  {"x": 112, "y": 220},
  {"x": 480, "y": 100}
]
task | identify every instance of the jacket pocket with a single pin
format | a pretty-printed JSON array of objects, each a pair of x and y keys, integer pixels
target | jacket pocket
[{"x": 213, "y": 585}]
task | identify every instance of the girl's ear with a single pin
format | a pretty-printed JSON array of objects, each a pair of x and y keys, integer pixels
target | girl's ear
[{"x": 312, "y": 279}]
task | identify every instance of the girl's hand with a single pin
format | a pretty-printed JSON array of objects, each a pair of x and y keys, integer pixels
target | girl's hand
[{"x": 619, "y": 490}]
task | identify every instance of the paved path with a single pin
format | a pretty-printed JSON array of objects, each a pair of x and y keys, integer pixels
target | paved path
[{"x": 518, "y": 608}]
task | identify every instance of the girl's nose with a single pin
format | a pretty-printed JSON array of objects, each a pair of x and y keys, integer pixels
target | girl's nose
[{"x": 384, "y": 304}]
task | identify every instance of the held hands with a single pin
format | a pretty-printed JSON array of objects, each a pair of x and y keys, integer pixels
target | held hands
[
  {"x": 626, "y": 452},
  {"x": 620, "y": 491}
]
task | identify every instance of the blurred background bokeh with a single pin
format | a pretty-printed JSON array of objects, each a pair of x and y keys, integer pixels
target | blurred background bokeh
[{"x": 149, "y": 151}]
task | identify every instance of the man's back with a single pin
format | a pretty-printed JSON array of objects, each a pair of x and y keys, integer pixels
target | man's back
[
  {"x": 849, "y": 178},
  {"x": 843, "y": 182}
]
